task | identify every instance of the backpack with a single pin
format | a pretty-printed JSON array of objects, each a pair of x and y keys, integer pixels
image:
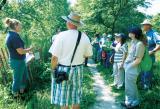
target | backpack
[
  {"x": 146, "y": 63},
  {"x": 104, "y": 55}
]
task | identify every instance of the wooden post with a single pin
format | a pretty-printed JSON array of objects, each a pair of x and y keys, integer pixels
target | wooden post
[
  {"x": 4, "y": 56},
  {"x": 3, "y": 71},
  {"x": 7, "y": 52}
]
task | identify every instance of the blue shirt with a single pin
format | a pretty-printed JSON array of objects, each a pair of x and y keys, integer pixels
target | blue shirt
[
  {"x": 13, "y": 42},
  {"x": 153, "y": 39}
]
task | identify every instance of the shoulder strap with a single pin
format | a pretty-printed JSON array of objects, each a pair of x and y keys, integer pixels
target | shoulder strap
[{"x": 77, "y": 43}]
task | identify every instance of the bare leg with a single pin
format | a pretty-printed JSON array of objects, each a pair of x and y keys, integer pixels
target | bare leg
[
  {"x": 77, "y": 106},
  {"x": 64, "y": 107}
]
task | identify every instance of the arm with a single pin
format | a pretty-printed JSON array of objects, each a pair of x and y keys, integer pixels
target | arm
[
  {"x": 125, "y": 51},
  {"x": 115, "y": 48},
  {"x": 155, "y": 49},
  {"x": 124, "y": 58},
  {"x": 88, "y": 51},
  {"x": 54, "y": 62},
  {"x": 140, "y": 50},
  {"x": 137, "y": 61},
  {"x": 56, "y": 51},
  {"x": 157, "y": 41},
  {"x": 18, "y": 45},
  {"x": 22, "y": 51}
]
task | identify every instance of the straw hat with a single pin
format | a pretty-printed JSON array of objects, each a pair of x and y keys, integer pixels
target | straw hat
[
  {"x": 146, "y": 22},
  {"x": 73, "y": 18}
]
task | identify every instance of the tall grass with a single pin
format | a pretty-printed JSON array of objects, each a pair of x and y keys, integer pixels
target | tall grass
[{"x": 39, "y": 95}]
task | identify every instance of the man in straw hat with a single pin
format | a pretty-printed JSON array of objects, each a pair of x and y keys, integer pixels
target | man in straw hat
[
  {"x": 153, "y": 46},
  {"x": 69, "y": 51},
  {"x": 153, "y": 38}
]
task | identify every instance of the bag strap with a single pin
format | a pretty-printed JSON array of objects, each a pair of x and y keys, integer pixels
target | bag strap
[{"x": 77, "y": 43}]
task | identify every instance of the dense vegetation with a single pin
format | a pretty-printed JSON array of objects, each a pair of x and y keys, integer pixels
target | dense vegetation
[
  {"x": 38, "y": 96},
  {"x": 110, "y": 15},
  {"x": 40, "y": 21}
]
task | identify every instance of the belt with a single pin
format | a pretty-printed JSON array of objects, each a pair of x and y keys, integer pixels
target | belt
[{"x": 70, "y": 66}]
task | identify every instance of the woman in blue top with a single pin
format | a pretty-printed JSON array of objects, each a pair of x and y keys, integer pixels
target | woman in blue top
[{"x": 17, "y": 54}]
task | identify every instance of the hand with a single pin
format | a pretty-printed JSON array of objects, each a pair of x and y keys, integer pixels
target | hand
[
  {"x": 133, "y": 64},
  {"x": 111, "y": 60},
  {"x": 121, "y": 65},
  {"x": 29, "y": 50},
  {"x": 151, "y": 52}
]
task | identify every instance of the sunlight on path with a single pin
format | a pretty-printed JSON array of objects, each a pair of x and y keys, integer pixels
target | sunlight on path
[{"x": 105, "y": 98}]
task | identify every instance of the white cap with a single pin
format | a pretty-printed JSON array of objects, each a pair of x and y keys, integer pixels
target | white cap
[{"x": 146, "y": 22}]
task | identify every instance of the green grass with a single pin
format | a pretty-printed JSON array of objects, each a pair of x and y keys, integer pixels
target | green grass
[
  {"x": 150, "y": 99},
  {"x": 89, "y": 96},
  {"x": 39, "y": 95}
]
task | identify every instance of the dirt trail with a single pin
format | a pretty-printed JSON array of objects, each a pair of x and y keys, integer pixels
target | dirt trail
[{"x": 104, "y": 97}]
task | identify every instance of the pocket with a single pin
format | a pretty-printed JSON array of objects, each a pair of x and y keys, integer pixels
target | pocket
[{"x": 127, "y": 65}]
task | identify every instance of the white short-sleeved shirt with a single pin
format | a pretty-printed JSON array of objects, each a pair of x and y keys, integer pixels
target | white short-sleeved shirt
[{"x": 64, "y": 44}]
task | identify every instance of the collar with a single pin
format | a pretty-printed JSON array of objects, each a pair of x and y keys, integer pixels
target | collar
[
  {"x": 13, "y": 32},
  {"x": 134, "y": 41},
  {"x": 149, "y": 31}
]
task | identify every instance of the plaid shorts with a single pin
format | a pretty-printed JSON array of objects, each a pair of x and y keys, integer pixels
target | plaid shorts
[{"x": 68, "y": 92}]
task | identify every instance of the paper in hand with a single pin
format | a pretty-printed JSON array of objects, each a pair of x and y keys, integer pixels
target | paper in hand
[{"x": 29, "y": 57}]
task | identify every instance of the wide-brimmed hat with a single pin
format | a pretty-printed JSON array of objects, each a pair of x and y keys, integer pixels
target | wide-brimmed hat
[
  {"x": 146, "y": 22},
  {"x": 73, "y": 18}
]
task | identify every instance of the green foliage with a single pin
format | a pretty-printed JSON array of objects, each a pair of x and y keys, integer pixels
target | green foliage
[
  {"x": 40, "y": 19},
  {"x": 156, "y": 22},
  {"x": 109, "y": 15},
  {"x": 88, "y": 97},
  {"x": 39, "y": 95}
]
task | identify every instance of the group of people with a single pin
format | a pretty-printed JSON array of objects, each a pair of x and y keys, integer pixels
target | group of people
[
  {"x": 69, "y": 50},
  {"x": 126, "y": 54},
  {"x": 102, "y": 50}
]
